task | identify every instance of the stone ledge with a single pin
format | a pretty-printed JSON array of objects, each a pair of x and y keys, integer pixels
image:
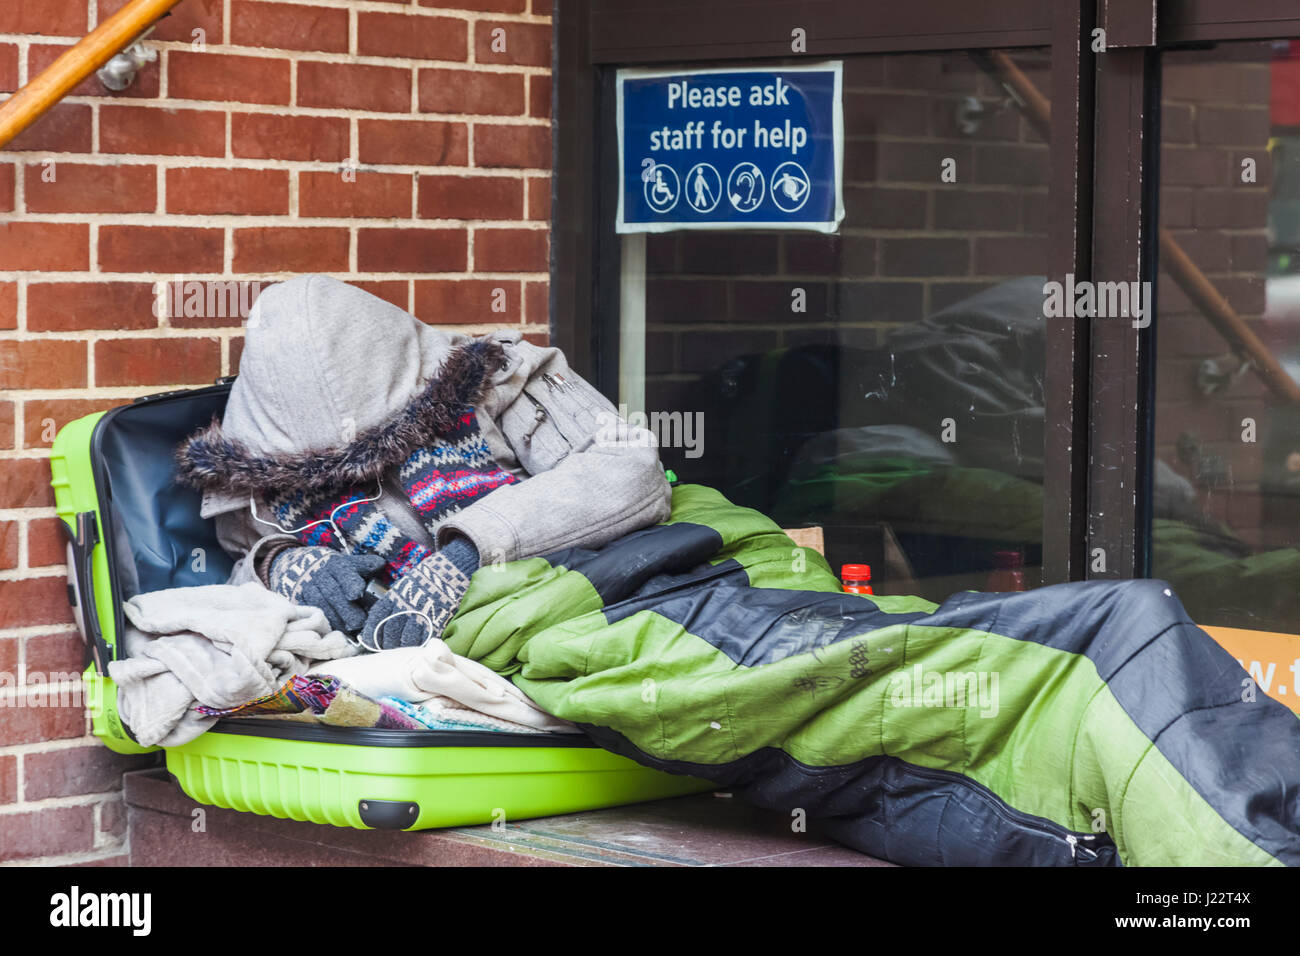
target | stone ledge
[{"x": 699, "y": 830}]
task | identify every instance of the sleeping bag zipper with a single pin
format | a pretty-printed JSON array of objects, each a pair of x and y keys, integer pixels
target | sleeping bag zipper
[{"x": 1011, "y": 815}]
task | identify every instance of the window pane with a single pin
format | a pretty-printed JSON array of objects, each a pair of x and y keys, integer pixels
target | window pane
[
  {"x": 1226, "y": 515},
  {"x": 884, "y": 384}
]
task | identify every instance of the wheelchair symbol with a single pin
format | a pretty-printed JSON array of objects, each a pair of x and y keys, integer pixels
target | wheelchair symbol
[{"x": 661, "y": 187}]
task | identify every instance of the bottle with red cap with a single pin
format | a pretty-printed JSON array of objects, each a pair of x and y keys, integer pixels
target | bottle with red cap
[
  {"x": 1008, "y": 572},
  {"x": 856, "y": 579}
]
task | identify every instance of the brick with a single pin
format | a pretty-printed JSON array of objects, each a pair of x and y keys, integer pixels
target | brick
[
  {"x": 366, "y": 194},
  {"x": 668, "y": 299},
  {"x": 173, "y": 361},
  {"x": 510, "y": 250},
  {"x": 486, "y": 6},
  {"x": 518, "y": 147},
  {"x": 539, "y": 96},
  {"x": 210, "y": 304},
  {"x": 8, "y": 177},
  {"x": 226, "y": 77},
  {"x": 1241, "y": 208},
  {"x": 42, "y": 364},
  {"x": 39, "y": 413},
  {"x": 181, "y": 22},
  {"x": 54, "y": 656},
  {"x": 539, "y": 197},
  {"x": 541, "y": 337},
  {"x": 8, "y": 779},
  {"x": 411, "y": 250},
  {"x": 73, "y": 187},
  {"x": 67, "y": 306},
  {"x": 908, "y": 161},
  {"x": 354, "y": 86},
  {"x": 8, "y": 305},
  {"x": 1010, "y": 255},
  {"x": 969, "y": 209},
  {"x": 537, "y": 302},
  {"x": 8, "y": 561},
  {"x": 236, "y": 350},
  {"x": 729, "y": 253},
  {"x": 390, "y": 290},
  {"x": 45, "y": 544},
  {"x": 412, "y": 37},
  {"x": 45, "y": 246},
  {"x": 289, "y": 26},
  {"x": 279, "y": 249},
  {"x": 177, "y": 249},
  {"x": 51, "y": 18},
  {"x": 1193, "y": 167},
  {"x": 161, "y": 132},
  {"x": 1012, "y": 165},
  {"x": 885, "y": 208},
  {"x": 413, "y": 142},
  {"x": 65, "y": 128},
  {"x": 146, "y": 86},
  {"x": 113, "y": 823},
  {"x": 7, "y": 435},
  {"x": 8, "y": 67},
  {"x": 50, "y": 832},
  {"x": 470, "y": 197},
  {"x": 271, "y": 136},
  {"x": 924, "y": 257},
  {"x": 471, "y": 91},
  {"x": 76, "y": 770},
  {"x": 541, "y": 7},
  {"x": 464, "y": 301},
  {"x": 526, "y": 44},
  {"x": 237, "y": 192},
  {"x": 30, "y": 601},
  {"x": 768, "y": 301},
  {"x": 9, "y": 657}
]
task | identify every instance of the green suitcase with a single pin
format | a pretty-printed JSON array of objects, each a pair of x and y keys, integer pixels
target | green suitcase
[{"x": 132, "y": 529}]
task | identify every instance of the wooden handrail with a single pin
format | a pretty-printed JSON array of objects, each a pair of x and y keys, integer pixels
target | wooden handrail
[
  {"x": 84, "y": 58},
  {"x": 1225, "y": 319}
]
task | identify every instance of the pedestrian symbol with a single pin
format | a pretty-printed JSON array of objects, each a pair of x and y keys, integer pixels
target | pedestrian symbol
[
  {"x": 745, "y": 187},
  {"x": 703, "y": 187}
]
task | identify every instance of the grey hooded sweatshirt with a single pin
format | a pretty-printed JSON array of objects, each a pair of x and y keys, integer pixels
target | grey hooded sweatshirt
[{"x": 336, "y": 385}]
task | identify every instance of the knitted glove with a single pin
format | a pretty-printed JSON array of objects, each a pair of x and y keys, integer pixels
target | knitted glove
[
  {"x": 433, "y": 588},
  {"x": 325, "y": 579}
]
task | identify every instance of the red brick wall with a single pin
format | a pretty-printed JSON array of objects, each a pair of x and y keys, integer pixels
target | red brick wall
[{"x": 223, "y": 162}]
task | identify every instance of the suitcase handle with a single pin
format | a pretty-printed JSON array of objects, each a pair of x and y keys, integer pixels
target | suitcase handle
[{"x": 83, "y": 537}]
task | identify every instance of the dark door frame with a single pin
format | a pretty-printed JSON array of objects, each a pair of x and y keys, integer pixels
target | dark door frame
[{"x": 1103, "y": 183}]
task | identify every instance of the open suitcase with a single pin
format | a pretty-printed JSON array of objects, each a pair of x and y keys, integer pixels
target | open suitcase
[{"x": 132, "y": 529}]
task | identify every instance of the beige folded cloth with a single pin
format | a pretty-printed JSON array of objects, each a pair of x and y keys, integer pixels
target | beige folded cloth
[{"x": 420, "y": 674}]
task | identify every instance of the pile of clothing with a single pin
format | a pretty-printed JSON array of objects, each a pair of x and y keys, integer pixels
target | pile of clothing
[{"x": 199, "y": 654}]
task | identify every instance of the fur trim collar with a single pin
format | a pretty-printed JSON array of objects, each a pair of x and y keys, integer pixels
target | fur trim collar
[{"x": 210, "y": 461}]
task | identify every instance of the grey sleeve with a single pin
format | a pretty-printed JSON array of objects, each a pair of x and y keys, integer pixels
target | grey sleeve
[
  {"x": 240, "y": 535},
  {"x": 592, "y": 477}
]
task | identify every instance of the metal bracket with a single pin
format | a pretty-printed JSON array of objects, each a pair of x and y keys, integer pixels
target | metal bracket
[{"x": 120, "y": 72}]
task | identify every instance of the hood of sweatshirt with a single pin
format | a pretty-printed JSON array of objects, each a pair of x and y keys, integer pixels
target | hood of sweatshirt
[{"x": 335, "y": 387}]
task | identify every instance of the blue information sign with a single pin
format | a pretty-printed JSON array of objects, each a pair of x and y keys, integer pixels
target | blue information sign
[{"x": 739, "y": 148}]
